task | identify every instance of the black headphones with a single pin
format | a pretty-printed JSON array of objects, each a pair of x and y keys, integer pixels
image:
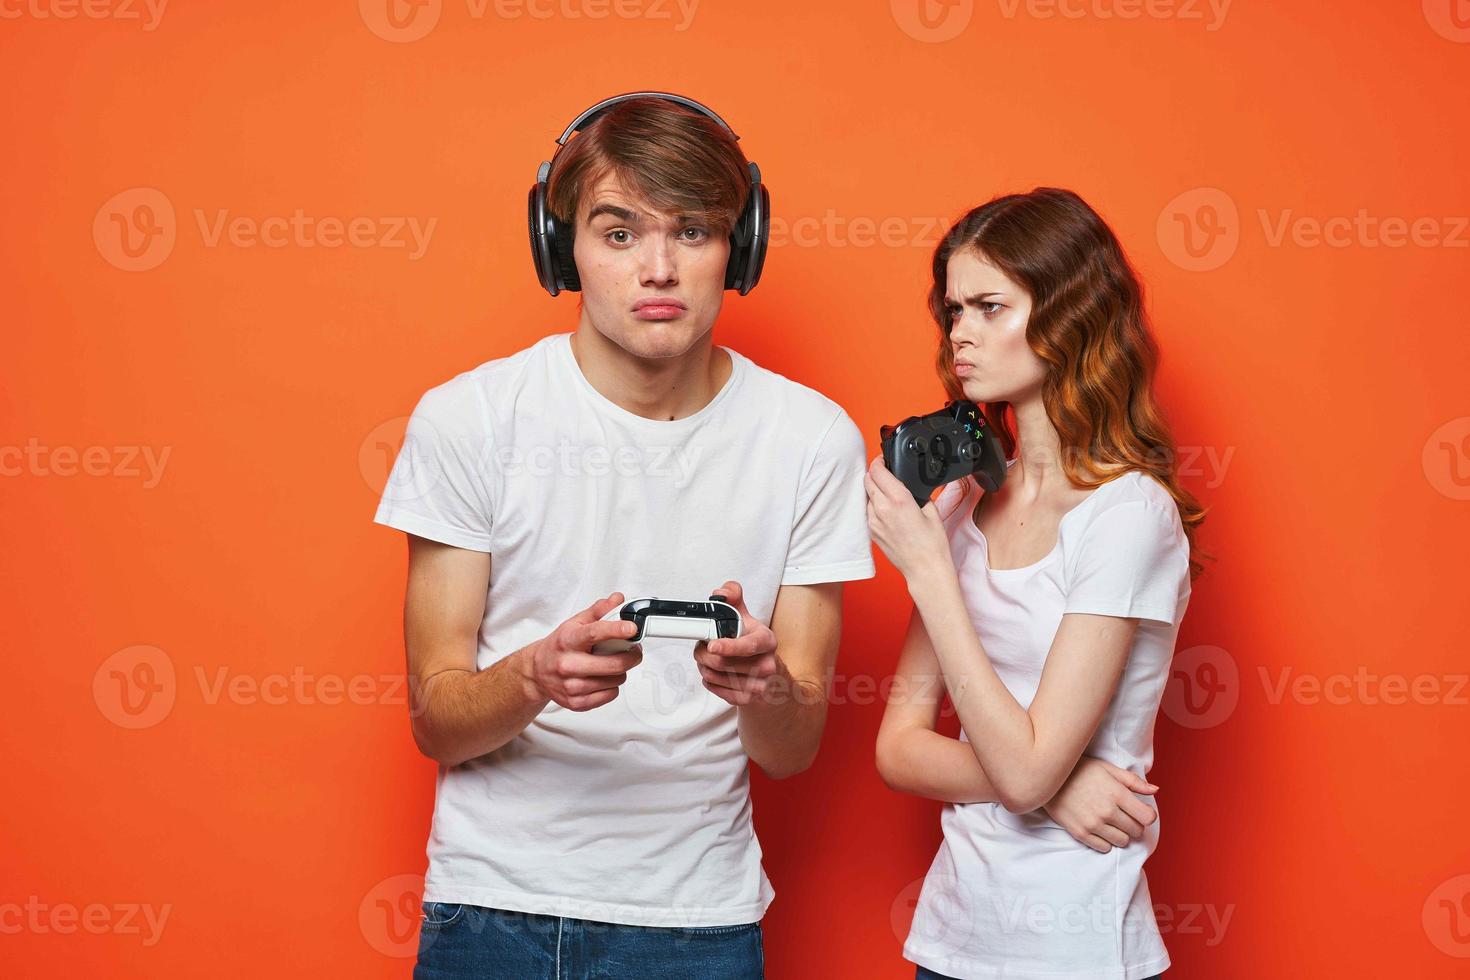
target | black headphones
[{"x": 551, "y": 238}]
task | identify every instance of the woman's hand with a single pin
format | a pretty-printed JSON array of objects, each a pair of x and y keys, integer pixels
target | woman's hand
[
  {"x": 913, "y": 538},
  {"x": 1096, "y": 805}
]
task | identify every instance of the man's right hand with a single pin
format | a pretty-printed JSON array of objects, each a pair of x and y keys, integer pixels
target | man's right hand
[{"x": 561, "y": 667}]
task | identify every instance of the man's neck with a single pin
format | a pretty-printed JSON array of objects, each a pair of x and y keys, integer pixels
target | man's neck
[{"x": 664, "y": 388}]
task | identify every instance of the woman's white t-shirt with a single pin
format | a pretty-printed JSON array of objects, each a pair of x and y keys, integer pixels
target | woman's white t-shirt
[
  {"x": 1015, "y": 895},
  {"x": 637, "y": 811}
]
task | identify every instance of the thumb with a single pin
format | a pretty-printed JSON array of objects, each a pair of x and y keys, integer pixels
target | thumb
[{"x": 1132, "y": 780}]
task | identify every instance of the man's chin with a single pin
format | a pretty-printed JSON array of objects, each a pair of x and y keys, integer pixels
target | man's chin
[{"x": 659, "y": 338}]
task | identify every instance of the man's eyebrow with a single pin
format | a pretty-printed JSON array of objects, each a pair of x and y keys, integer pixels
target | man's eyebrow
[{"x": 622, "y": 214}]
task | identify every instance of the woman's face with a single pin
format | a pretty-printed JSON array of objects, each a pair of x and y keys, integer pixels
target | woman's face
[{"x": 987, "y": 332}]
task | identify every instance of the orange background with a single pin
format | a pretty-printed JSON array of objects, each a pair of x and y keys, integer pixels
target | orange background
[{"x": 282, "y": 822}]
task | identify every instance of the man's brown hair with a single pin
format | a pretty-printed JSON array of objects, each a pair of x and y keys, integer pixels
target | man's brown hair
[{"x": 679, "y": 161}]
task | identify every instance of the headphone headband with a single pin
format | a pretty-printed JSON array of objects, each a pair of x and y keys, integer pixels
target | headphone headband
[{"x": 601, "y": 107}]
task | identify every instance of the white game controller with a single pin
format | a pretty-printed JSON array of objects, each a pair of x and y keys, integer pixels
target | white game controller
[{"x": 675, "y": 619}]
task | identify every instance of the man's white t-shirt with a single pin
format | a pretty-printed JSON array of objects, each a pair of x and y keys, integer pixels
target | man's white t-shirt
[
  {"x": 1016, "y": 896},
  {"x": 637, "y": 811}
]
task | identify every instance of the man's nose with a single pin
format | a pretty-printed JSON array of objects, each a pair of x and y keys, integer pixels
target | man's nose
[{"x": 659, "y": 267}]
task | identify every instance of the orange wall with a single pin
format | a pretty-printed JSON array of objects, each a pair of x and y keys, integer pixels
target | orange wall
[{"x": 194, "y": 436}]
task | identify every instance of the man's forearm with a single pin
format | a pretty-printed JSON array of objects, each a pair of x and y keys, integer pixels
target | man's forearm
[
  {"x": 782, "y": 728},
  {"x": 462, "y": 714}
]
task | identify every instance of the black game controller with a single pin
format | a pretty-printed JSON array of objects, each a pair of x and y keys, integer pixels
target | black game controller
[{"x": 928, "y": 451}]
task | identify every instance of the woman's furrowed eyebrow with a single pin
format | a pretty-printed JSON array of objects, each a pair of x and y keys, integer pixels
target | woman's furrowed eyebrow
[{"x": 974, "y": 300}]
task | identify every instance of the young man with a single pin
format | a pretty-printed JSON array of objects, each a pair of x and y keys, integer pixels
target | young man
[{"x": 592, "y": 809}]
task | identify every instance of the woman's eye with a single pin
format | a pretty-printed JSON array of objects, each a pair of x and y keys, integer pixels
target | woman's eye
[
  {"x": 989, "y": 308},
  {"x": 954, "y": 312}
]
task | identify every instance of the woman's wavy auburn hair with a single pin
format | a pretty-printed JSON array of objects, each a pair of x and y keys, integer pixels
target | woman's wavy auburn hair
[{"x": 1088, "y": 324}]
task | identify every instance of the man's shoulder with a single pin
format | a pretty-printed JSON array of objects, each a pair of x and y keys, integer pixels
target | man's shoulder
[
  {"x": 802, "y": 404},
  {"x": 489, "y": 382}
]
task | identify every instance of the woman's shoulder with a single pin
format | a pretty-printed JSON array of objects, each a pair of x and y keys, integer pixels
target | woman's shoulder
[{"x": 1138, "y": 491}]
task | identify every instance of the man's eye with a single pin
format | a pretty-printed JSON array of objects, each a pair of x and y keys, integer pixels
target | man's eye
[
  {"x": 612, "y": 236},
  {"x": 698, "y": 234}
]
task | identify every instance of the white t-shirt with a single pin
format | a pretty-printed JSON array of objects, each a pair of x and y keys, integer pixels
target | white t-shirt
[
  {"x": 1015, "y": 895},
  {"x": 637, "y": 811}
]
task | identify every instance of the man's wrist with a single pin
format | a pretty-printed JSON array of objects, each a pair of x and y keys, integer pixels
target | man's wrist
[{"x": 525, "y": 668}]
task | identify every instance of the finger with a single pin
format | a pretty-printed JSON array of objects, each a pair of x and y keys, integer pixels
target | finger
[
  {"x": 598, "y": 609},
  {"x": 587, "y": 635},
  {"x": 600, "y": 664},
  {"x": 734, "y": 594},
  {"x": 1122, "y": 821},
  {"x": 730, "y": 694},
  {"x": 1138, "y": 810},
  {"x": 1096, "y": 843},
  {"x": 1129, "y": 778},
  {"x": 733, "y": 681},
  {"x": 586, "y": 702},
  {"x": 1113, "y": 836},
  {"x": 743, "y": 647}
]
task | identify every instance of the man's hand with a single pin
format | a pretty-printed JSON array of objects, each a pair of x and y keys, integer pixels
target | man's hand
[
  {"x": 739, "y": 670},
  {"x": 1096, "y": 805},
  {"x": 561, "y": 667}
]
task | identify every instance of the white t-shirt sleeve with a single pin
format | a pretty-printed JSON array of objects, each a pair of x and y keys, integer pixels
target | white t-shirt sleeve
[
  {"x": 1131, "y": 562},
  {"x": 829, "y": 541},
  {"x": 442, "y": 483}
]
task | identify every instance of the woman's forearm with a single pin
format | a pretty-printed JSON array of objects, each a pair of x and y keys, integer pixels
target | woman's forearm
[
  {"x": 934, "y": 766},
  {"x": 1001, "y": 735}
]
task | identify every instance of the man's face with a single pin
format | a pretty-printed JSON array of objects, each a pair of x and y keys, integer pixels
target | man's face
[{"x": 651, "y": 283}]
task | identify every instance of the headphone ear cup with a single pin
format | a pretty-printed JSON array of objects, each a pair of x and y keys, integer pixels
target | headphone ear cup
[
  {"x": 551, "y": 241},
  {"x": 543, "y": 234},
  {"x": 749, "y": 237}
]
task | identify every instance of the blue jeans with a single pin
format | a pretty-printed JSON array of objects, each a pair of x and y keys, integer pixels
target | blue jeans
[{"x": 470, "y": 941}]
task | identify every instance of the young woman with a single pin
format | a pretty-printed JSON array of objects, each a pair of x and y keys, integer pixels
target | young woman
[{"x": 1047, "y": 611}]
